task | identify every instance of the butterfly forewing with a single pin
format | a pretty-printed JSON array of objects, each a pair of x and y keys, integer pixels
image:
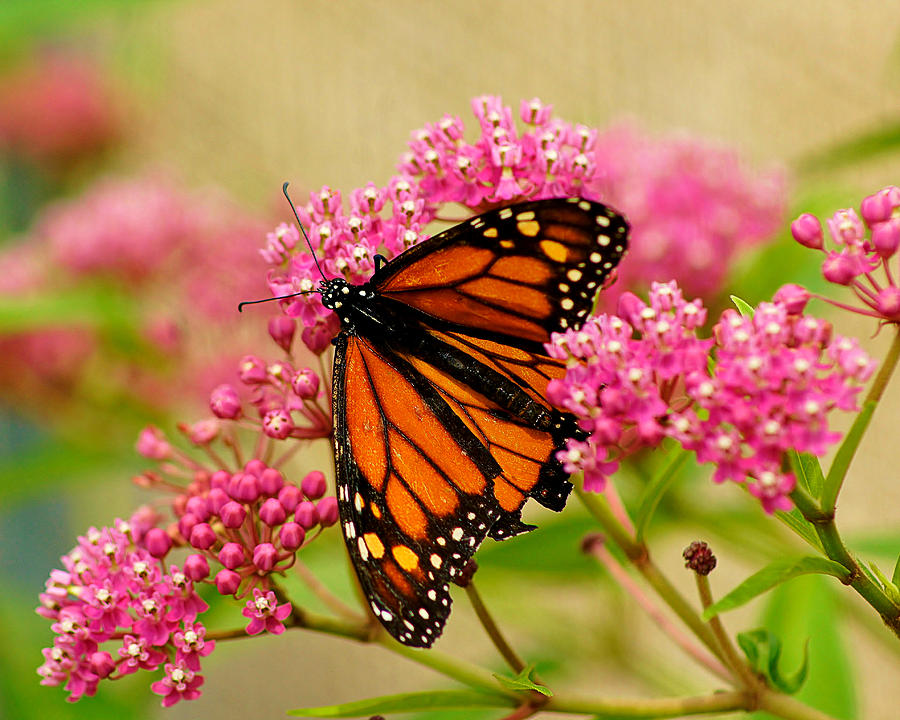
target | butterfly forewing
[
  {"x": 523, "y": 271},
  {"x": 442, "y": 427}
]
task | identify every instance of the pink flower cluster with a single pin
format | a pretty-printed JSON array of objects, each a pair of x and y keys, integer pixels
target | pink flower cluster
[
  {"x": 56, "y": 111},
  {"x": 244, "y": 515},
  {"x": 863, "y": 246},
  {"x": 549, "y": 158},
  {"x": 380, "y": 220},
  {"x": 641, "y": 376},
  {"x": 236, "y": 514},
  {"x": 117, "y": 609},
  {"x": 693, "y": 206}
]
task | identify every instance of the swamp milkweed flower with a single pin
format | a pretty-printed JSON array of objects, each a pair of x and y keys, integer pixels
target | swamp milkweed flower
[
  {"x": 644, "y": 375},
  {"x": 117, "y": 606},
  {"x": 863, "y": 247}
]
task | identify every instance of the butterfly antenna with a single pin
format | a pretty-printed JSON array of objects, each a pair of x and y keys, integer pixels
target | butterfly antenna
[
  {"x": 302, "y": 229},
  {"x": 281, "y": 297}
]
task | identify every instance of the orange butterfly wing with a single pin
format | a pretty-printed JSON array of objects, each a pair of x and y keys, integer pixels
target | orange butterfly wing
[{"x": 442, "y": 428}]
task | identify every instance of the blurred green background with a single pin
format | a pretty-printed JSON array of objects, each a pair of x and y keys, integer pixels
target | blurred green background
[{"x": 231, "y": 98}]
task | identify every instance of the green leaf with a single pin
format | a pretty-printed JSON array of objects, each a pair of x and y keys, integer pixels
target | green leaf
[
  {"x": 895, "y": 578},
  {"x": 407, "y": 702},
  {"x": 772, "y": 575},
  {"x": 524, "y": 681},
  {"x": 808, "y": 470},
  {"x": 744, "y": 308},
  {"x": 95, "y": 305},
  {"x": 810, "y": 608},
  {"x": 657, "y": 487},
  {"x": 756, "y": 644},
  {"x": 794, "y": 519},
  {"x": 844, "y": 457}
]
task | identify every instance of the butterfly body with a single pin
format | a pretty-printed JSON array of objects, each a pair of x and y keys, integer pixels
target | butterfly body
[{"x": 442, "y": 429}]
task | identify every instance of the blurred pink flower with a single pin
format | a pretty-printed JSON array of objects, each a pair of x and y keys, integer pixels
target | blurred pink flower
[
  {"x": 57, "y": 110},
  {"x": 693, "y": 207},
  {"x": 182, "y": 259}
]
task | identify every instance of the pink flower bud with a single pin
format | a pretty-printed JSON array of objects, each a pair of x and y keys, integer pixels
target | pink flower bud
[
  {"x": 289, "y": 496},
  {"x": 272, "y": 512},
  {"x": 198, "y": 507},
  {"x": 219, "y": 479},
  {"x": 232, "y": 514},
  {"x": 227, "y": 582},
  {"x": 807, "y": 230},
  {"x": 185, "y": 523},
  {"x": 255, "y": 467},
  {"x": 793, "y": 298},
  {"x": 225, "y": 403},
  {"x": 215, "y": 499},
  {"x": 839, "y": 269},
  {"x": 203, "y": 432},
  {"x": 244, "y": 487},
  {"x": 232, "y": 555},
  {"x": 291, "y": 536},
  {"x": 102, "y": 663},
  {"x": 629, "y": 308},
  {"x": 157, "y": 542},
  {"x": 306, "y": 515},
  {"x": 282, "y": 328},
  {"x": 327, "y": 508},
  {"x": 252, "y": 370},
  {"x": 313, "y": 485},
  {"x": 196, "y": 567},
  {"x": 271, "y": 481},
  {"x": 317, "y": 338},
  {"x": 278, "y": 424},
  {"x": 886, "y": 237},
  {"x": 264, "y": 556},
  {"x": 203, "y": 537},
  {"x": 880, "y": 206},
  {"x": 305, "y": 383},
  {"x": 889, "y": 302},
  {"x": 152, "y": 444}
]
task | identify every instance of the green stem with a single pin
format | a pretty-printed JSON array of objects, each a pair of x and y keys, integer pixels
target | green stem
[
  {"x": 735, "y": 663},
  {"x": 490, "y": 627},
  {"x": 781, "y": 705},
  {"x": 785, "y": 706},
  {"x": 638, "y": 554},
  {"x": 648, "y": 708},
  {"x": 466, "y": 673},
  {"x": 823, "y": 522}
]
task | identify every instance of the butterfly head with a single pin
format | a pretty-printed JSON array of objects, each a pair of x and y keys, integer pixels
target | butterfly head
[{"x": 341, "y": 297}]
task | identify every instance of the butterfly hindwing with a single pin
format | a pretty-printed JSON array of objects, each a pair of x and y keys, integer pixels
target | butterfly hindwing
[{"x": 414, "y": 501}]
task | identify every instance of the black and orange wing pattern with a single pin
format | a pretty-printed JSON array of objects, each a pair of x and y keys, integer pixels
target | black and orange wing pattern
[{"x": 442, "y": 427}]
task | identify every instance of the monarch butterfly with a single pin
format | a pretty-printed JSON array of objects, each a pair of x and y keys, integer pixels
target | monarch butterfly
[{"x": 442, "y": 429}]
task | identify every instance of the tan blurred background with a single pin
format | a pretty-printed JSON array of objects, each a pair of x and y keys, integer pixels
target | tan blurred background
[{"x": 250, "y": 94}]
